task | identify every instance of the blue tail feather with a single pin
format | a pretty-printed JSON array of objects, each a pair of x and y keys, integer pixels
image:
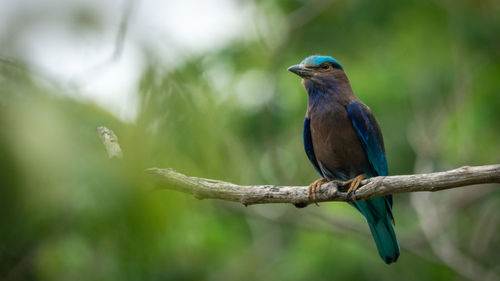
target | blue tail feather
[{"x": 376, "y": 214}]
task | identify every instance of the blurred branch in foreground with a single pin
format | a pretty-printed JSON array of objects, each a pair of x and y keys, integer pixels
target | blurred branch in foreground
[
  {"x": 110, "y": 141},
  {"x": 202, "y": 188}
]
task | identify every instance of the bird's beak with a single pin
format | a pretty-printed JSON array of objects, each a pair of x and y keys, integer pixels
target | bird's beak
[{"x": 300, "y": 70}]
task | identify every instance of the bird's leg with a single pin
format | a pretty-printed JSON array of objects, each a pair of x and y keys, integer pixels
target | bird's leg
[
  {"x": 314, "y": 187},
  {"x": 355, "y": 182}
]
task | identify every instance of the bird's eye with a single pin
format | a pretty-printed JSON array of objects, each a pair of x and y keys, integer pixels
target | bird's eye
[{"x": 325, "y": 66}]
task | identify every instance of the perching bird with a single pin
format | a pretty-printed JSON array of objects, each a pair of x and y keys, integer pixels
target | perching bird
[{"x": 344, "y": 142}]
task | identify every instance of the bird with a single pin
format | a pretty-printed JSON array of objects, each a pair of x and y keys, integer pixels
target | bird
[{"x": 344, "y": 142}]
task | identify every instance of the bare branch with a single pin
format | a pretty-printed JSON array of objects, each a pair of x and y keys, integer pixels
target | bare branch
[
  {"x": 202, "y": 188},
  {"x": 466, "y": 175},
  {"x": 110, "y": 142},
  {"x": 261, "y": 194}
]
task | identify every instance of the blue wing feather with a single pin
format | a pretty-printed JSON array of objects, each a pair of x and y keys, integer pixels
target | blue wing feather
[
  {"x": 370, "y": 137},
  {"x": 308, "y": 145}
]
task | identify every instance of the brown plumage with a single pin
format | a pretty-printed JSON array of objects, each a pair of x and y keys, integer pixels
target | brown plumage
[{"x": 343, "y": 141}]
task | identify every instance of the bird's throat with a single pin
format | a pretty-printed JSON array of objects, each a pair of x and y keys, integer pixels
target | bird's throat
[{"x": 314, "y": 93}]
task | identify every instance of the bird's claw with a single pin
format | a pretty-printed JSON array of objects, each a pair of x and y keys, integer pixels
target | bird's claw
[
  {"x": 313, "y": 188},
  {"x": 355, "y": 183}
]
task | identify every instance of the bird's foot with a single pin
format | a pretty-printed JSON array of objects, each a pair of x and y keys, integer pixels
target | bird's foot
[
  {"x": 313, "y": 188},
  {"x": 355, "y": 183}
]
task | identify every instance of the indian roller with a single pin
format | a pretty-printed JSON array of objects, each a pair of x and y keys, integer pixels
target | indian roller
[{"x": 344, "y": 142}]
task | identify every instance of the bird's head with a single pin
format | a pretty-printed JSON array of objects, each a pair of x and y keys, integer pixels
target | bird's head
[{"x": 320, "y": 71}]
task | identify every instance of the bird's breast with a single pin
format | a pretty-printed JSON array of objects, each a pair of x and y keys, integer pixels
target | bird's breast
[{"x": 335, "y": 142}]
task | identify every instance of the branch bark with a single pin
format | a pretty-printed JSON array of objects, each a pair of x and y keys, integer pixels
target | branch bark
[
  {"x": 202, "y": 188},
  {"x": 110, "y": 142}
]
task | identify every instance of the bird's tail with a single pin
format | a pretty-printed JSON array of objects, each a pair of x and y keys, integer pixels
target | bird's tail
[{"x": 378, "y": 219}]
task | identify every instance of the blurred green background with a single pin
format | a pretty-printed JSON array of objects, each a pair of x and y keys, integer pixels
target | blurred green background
[{"x": 223, "y": 106}]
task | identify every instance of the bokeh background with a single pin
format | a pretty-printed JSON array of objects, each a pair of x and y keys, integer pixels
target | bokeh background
[{"x": 202, "y": 87}]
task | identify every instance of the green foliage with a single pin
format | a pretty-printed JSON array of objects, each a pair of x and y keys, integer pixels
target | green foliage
[{"x": 429, "y": 70}]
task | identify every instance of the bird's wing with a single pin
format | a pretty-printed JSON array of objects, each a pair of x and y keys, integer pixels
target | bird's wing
[
  {"x": 370, "y": 135},
  {"x": 308, "y": 145}
]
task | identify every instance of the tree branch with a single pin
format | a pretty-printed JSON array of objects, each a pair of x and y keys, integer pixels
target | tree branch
[
  {"x": 110, "y": 142},
  {"x": 202, "y": 188},
  {"x": 262, "y": 194}
]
